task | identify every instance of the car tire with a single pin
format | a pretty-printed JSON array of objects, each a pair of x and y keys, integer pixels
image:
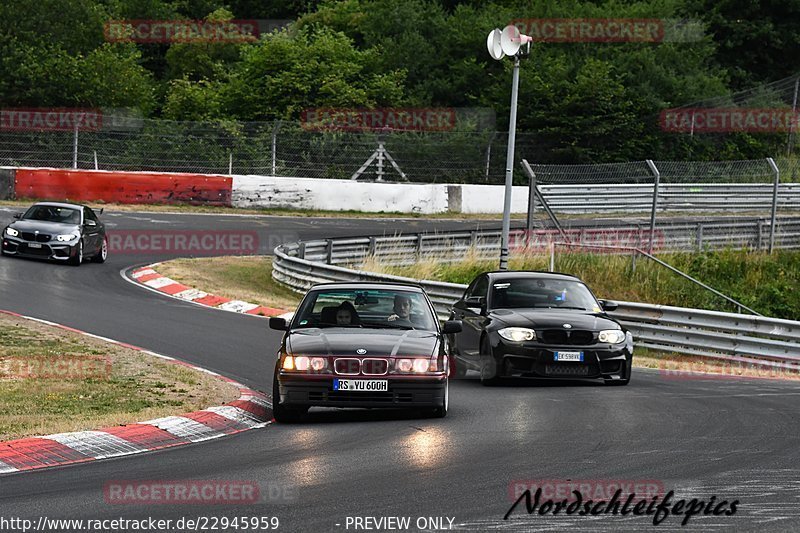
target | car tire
[
  {"x": 78, "y": 259},
  {"x": 489, "y": 377},
  {"x": 102, "y": 254},
  {"x": 284, "y": 414},
  {"x": 440, "y": 411}
]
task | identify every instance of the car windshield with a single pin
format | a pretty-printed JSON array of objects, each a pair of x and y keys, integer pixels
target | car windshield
[
  {"x": 368, "y": 308},
  {"x": 542, "y": 293},
  {"x": 52, "y": 213}
]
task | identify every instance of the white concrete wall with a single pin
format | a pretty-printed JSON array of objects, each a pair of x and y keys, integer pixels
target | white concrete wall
[
  {"x": 345, "y": 195},
  {"x": 490, "y": 198},
  {"x": 338, "y": 195}
]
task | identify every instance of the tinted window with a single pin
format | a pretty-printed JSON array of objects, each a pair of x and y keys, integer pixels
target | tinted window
[
  {"x": 542, "y": 293},
  {"x": 51, "y": 213},
  {"x": 480, "y": 288},
  {"x": 89, "y": 214},
  {"x": 373, "y": 307}
]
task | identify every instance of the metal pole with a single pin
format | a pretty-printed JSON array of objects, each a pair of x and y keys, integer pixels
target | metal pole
[
  {"x": 95, "y": 161},
  {"x": 512, "y": 133},
  {"x": 275, "y": 146},
  {"x": 489, "y": 154},
  {"x": 531, "y": 201},
  {"x": 774, "y": 202},
  {"x": 552, "y": 256},
  {"x": 75, "y": 147},
  {"x": 657, "y": 179},
  {"x": 790, "y": 138},
  {"x": 230, "y": 163}
]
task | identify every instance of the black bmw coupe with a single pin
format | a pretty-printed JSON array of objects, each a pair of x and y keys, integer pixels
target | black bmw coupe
[
  {"x": 538, "y": 325},
  {"x": 62, "y": 232}
]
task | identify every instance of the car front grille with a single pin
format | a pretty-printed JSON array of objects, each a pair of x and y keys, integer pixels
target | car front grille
[
  {"x": 567, "y": 337},
  {"x": 566, "y": 370},
  {"x": 35, "y": 237}
]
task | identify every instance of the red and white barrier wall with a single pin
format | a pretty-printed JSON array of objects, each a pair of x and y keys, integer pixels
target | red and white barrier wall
[{"x": 262, "y": 192}]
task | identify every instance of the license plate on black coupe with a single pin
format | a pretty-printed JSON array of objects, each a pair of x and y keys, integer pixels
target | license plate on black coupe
[
  {"x": 569, "y": 356},
  {"x": 361, "y": 385}
]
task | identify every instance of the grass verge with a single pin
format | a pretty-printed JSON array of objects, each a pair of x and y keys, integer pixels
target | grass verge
[
  {"x": 55, "y": 381},
  {"x": 245, "y": 278}
]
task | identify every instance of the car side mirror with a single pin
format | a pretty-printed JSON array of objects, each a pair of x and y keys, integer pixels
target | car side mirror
[
  {"x": 90, "y": 222},
  {"x": 278, "y": 323},
  {"x": 17, "y": 215},
  {"x": 608, "y": 305},
  {"x": 476, "y": 302},
  {"x": 451, "y": 326}
]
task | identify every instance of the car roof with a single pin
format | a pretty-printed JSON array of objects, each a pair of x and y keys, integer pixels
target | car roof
[
  {"x": 60, "y": 204},
  {"x": 368, "y": 285},
  {"x": 530, "y": 274}
]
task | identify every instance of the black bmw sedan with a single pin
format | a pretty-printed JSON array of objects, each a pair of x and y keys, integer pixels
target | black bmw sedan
[
  {"x": 362, "y": 345},
  {"x": 62, "y": 232},
  {"x": 539, "y": 325}
]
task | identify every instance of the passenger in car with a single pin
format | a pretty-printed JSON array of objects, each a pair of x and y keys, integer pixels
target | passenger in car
[{"x": 346, "y": 315}]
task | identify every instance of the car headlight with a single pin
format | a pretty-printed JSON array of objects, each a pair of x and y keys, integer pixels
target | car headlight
[
  {"x": 417, "y": 365},
  {"x": 613, "y": 336},
  {"x": 517, "y": 334},
  {"x": 302, "y": 363},
  {"x": 11, "y": 232},
  {"x": 67, "y": 237}
]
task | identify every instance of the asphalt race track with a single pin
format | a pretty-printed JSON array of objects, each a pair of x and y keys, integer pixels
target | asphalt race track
[{"x": 734, "y": 439}]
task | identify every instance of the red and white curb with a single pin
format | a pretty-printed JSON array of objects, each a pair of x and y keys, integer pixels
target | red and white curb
[
  {"x": 148, "y": 277},
  {"x": 252, "y": 410}
]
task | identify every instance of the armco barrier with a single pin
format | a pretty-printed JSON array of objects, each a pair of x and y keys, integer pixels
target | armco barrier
[
  {"x": 730, "y": 336},
  {"x": 123, "y": 187}
]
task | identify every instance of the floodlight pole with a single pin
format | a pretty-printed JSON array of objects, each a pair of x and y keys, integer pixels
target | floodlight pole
[{"x": 512, "y": 133}]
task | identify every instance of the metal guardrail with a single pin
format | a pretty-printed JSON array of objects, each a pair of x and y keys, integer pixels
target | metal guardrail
[
  {"x": 729, "y": 336},
  {"x": 594, "y": 198}
]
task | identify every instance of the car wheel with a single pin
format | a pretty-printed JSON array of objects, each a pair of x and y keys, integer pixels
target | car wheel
[
  {"x": 440, "y": 411},
  {"x": 489, "y": 372},
  {"x": 284, "y": 414},
  {"x": 78, "y": 258},
  {"x": 102, "y": 255}
]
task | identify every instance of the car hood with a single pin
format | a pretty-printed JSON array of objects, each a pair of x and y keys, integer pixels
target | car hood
[
  {"x": 42, "y": 226},
  {"x": 345, "y": 341},
  {"x": 553, "y": 318}
]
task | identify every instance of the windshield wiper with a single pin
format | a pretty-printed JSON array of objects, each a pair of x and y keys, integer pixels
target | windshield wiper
[{"x": 389, "y": 325}]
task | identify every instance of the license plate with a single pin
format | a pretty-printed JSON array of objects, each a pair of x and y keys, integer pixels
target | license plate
[
  {"x": 361, "y": 385},
  {"x": 34, "y": 245},
  {"x": 569, "y": 356}
]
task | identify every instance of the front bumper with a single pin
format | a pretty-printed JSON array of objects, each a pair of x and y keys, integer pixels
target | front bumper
[
  {"x": 56, "y": 250},
  {"x": 304, "y": 390},
  {"x": 532, "y": 360}
]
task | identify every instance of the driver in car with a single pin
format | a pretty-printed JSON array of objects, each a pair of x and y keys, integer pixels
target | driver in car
[
  {"x": 402, "y": 309},
  {"x": 346, "y": 314}
]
